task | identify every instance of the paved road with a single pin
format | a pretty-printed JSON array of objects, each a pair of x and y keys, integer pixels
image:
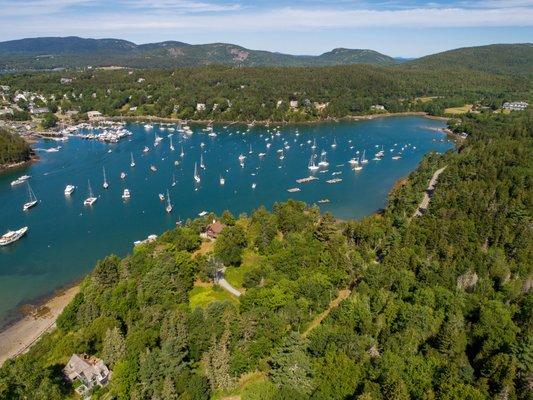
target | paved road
[
  {"x": 423, "y": 206},
  {"x": 224, "y": 284}
]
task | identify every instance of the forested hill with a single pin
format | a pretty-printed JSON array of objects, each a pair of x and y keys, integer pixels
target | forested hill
[
  {"x": 435, "y": 307},
  {"x": 13, "y": 149},
  {"x": 75, "y": 52},
  {"x": 496, "y": 58}
]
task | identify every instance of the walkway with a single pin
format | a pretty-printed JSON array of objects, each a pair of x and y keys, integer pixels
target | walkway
[
  {"x": 424, "y": 204},
  {"x": 343, "y": 294}
]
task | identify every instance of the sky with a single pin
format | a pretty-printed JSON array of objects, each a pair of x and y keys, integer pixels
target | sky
[{"x": 400, "y": 28}]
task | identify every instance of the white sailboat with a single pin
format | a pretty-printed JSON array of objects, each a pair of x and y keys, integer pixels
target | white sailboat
[
  {"x": 105, "y": 185},
  {"x": 250, "y": 151},
  {"x": 323, "y": 161},
  {"x": 202, "y": 165},
  {"x": 32, "y": 199},
  {"x": 132, "y": 163},
  {"x": 168, "y": 208},
  {"x": 358, "y": 166},
  {"x": 363, "y": 160},
  {"x": 173, "y": 179},
  {"x": 182, "y": 154},
  {"x": 312, "y": 165},
  {"x": 314, "y": 144},
  {"x": 196, "y": 176},
  {"x": 171, "y": 145},
  {"x": 334, "y": 144},
  {"x": 89, "y": 201}
]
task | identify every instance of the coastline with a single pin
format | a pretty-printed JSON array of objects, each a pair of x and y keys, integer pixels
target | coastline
[{"x": 17, "y": 338}]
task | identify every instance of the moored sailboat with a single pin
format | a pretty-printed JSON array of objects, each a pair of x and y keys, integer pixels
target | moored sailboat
[
  {"x": 89, "y": 201},
  {"x": 32, "y": 199}
]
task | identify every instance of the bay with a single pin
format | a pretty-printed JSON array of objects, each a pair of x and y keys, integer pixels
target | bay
[{"x": 66, "y": 238}]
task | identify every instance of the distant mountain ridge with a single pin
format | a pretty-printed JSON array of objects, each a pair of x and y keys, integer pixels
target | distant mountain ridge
[{"x": 73, "y": 52}]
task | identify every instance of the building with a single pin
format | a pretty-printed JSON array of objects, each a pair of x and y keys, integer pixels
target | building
[
  {"x": 515, "y": 105},
  {"x": 39, "y": 110},
  {"x": 88, "y": 371},
  {"x": 65, "y": 80},
  {"x": 213, "y": 230},
  {"x": 200, "y": 106},
  {"x": 141, "y": 80},
  {"x": 94, "y": 115},
  {"x": 377, "y": 107},
  {"x": 293, "y": 104}
]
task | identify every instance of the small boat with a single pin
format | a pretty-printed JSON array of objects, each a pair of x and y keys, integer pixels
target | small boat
[
  {"x": 222, "y": 181},
  {"x": 148, "y": 126},
  {"x": 358, "y": 166},
  {"x": 126, "y": 194},
  {"x": 122, "y": 175},
  {"x": 294, "y": 190},
  {"x": 250, "y": 151},
  {"x": 182, "y": 154},
  {"x": 132, "y": 163},
  {"x": 168, "y": 208},
  {"x": 196, "y": 176},
  {"x": 20, "y": 180},
  {"x": 334, "y": 144},
  {"x": 396, "y": 157},
  {"x": 32, "y": 200},
  {"x": 202, "y": 214},
  {"x": 202, "y": 165},
  {"x": 69, "y": 189},
  {"x": 323, "y": 201},
  {"x": 314, "y": 144},
  {"x": 12, "y": 236},
  {"x": 157, "y": 140},
  {"x": 173, "y": 180},
  {"x": 161, "y": 197},
  {"x": 254, "y": 185},
  {"x": 306, "y": 180},
  {"x": 89, "y": 201},
  {"x": 335, "y": 180},
  {"x": 153, "y": 168},
  {"x": 176, "y": 163},
  {"x": 241, "y": 158},
  {"x": 171, "y": 145},
  {"x": 146, "y": 149},
  {"x": 363, "y": 160},
  {"x": 312, "y": 166},
  {"x": 262, "y": 154},
  {"x": 105, "y": 185},
  {"x": 323, "y": 161}
]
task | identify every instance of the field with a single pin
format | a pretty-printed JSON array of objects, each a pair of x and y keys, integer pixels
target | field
[
  {"x": 202, "y": 296},
  {"x": 458, "y": 110}
]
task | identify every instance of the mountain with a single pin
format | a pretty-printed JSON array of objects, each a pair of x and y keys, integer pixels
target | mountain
[
  {"x": 495, "y": 58},
  {"x": 75, "y": 52}
]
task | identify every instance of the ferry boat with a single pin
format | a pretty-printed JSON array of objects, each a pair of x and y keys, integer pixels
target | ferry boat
[
  {"x": 69, "y": 189},
  {"x": 32, "y": 200},
  {"x": 89, "y": 201},
  {"x": 12, "y": 236},
  {"x": 20, "y": 180},
  {"x": 132, "y": 163},
  {"x": 105, "y": 185},
  {"x": 126, "y": 194},
  {"x": 168, "y": 208}
]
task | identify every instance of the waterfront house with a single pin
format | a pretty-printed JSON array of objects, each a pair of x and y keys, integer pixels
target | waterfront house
[
  {"x": 200, "y": 106},
  {"x": 94, "y": 115},
  {"x": 293, "y": 104},
  {"x": 86, "y": 372},
  {"x": 38, "y": 110},
  {"x": 65, "y": 80},
  {"x": 377, "y": 107},
  {"x": 213, "y": 230}
]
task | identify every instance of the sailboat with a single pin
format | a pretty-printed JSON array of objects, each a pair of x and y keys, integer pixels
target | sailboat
[
  {"x": 250, "y": 151},
  {"x": 105, "y": 185},
  {"x": 323, "y": 161},
  {"x": 132, "y": 163},
  {"x": 89, "y": 201},
  {"x": 173, "y": 179},
  {"x": 182, "y": 154},
  {"x": 202, "y": 165},
  {"x": 314, "y": 144},
  {"x": 358, "y": 166},
  {"x": 312, "y": 166},
  {"x": 171, "y": 145},
  {"x": 32, "y": 200},
  {"x": 169, "y": 205},
  {"x": 196, "y": 176},
  {"x": 363, "y": 160},
  {"x": 334, "y": 144}
]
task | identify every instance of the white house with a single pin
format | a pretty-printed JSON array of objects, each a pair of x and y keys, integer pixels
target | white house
[
  {"x": 140, "y": 80},
  {"x": 89, "y": 371},
  {"x": 200, "y": 106},
  {"x": 293, "y": 104},
  {"x": 377, "y": 107},
  {"x": 65, "y": 80},
  {"x": 515, "y": 105},
  {"x": 93, "y": 115}
]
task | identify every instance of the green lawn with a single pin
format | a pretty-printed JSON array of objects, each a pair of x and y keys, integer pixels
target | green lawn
[
  {"x": 202, "y": 296},
  {"x": 235, "y": 275}
]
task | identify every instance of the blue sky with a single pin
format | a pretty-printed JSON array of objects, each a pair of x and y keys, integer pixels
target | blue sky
[{"x": 408, "y": 28}]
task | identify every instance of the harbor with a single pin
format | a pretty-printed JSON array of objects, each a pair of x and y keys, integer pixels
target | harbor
[{"x": 162, "y": 174}]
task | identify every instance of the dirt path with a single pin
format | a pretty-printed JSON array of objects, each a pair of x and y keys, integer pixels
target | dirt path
[
  {"x": 343, "y": 295},
  {"x": 424, "y": 204}
]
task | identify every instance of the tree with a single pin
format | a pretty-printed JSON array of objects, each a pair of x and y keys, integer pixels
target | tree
[
  {"x": 216, "y": 363},
  {"x": 49, "y": 121},
  {"x": 114, "y": 347},
  {"x": 230, "y": 244}
]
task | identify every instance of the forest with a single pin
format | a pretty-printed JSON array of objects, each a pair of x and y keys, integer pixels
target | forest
[
  {"x": 13, "y": 149},
  {"x": 388, "y": 307},
  {"x": 266, "y": 93}
]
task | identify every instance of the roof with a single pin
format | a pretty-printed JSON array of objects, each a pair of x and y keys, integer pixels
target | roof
[
  {"x": 85, "y": 367},
  {"x": 216, "y": 227}
]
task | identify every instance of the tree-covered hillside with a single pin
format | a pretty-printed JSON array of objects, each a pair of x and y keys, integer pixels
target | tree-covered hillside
[
  {"x": 430, "y": 307},
  {"x": 247, "y": 94},
  {"x": 495, "y": 58},
  {"x": 13, "y": 148}
]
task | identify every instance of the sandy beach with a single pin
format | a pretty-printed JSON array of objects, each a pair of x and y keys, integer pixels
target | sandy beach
[{"x": 19, "y": 337}]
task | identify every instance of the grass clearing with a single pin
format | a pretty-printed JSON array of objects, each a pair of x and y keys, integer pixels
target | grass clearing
[
  {"x": 202, "y": 296},
  {"x": 459, "y": 110},
  {"x": 235, "y": 275}
]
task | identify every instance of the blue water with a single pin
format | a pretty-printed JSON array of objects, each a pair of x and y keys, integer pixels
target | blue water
[{"x": 65, "y": 237}]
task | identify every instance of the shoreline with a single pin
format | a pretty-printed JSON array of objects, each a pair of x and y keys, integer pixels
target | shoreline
[{"x": 19, "y": 336}]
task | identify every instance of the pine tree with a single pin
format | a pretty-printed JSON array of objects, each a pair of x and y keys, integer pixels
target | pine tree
[
  {"x": 216, "y": 362},
  {"x": 114, "y": 346}
]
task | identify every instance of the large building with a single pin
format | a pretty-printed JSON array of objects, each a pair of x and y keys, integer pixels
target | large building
[
  {"x": 88, "y": 371},
  {"x": 515, "y": 105}
]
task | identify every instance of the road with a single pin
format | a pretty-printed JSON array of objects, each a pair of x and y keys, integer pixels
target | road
[
  {"x": 224, "y": 284},
  {"x": 424, "y": 204}
]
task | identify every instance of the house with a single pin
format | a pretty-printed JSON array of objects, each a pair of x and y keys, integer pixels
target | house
[
  {"x": 88, "y": 371},
  {"x": 200, "y": 106},
  {"x": 213, "y": 230},
  {"x": 94, "y": 115},
  {"x": 377, "y": 107},
  {"x": 133, "y": 108},
  {"x": 515, "y": 105},
  {"x": 141, "y": 80},
  {"x": 39, "y": 110},
  {"x": 65, "y": 80},
  {"x": 293, "y": 104}
]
